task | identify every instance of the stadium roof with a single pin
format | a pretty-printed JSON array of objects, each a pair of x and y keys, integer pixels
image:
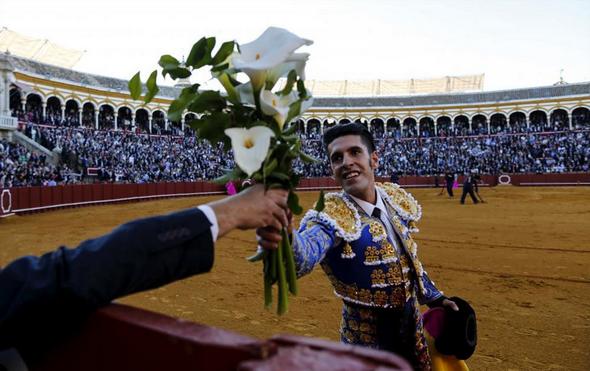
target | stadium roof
[
  {"x": 374, "y": 88},
  {"x": 41, "y": 50},
  {"x": 79, "y": 78}
]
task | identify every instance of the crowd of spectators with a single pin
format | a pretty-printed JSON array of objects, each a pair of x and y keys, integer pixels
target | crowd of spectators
[
  {"x": 21, "y": 167},
  {"x": 119, "y": 156},
  {"x": 123, "y": 156},
  {"x": 557, "y": 152}
]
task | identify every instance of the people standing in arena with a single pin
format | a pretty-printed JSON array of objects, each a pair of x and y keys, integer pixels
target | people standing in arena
[
  {"x": 469, "y": 185},
  {"x": 449, "y": 181}
]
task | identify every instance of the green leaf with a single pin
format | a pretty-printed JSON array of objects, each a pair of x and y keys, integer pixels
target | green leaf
[
  {"x": 220, "y": 67},
  {"x": 289, "y": 130},
  {"x": 291, "y": 78},
  {"x": 301, "y": 89},
  {"x": 307, "y": 158},
  {"x": 294, "y": 110},
  {"x": 279, "y": 176},
  {"x": 224, "y": 51},
  {"x": 135, "y": 86},
  {"x": 208, "y": 101},
  {"x": 320, "y": 204},
  {"x": 152, "y": 87},
  {"x": 230, "y": 89},
  {"x": 171, "y": 66},
  {"x": 200, "y": 54},
  {"x": 293, "y": 203},
  {"x": 168, "y": 62},
  {"x": 178, "y": 73},
  {"x": 234, "y": 174},
  {"x": 212, "y": 127},
  {"x": 268, "y": 168},
  {"x": 178, "y": 106}
]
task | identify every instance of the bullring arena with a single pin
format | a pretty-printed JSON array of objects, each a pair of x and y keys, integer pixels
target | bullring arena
[
  {"x": 521, "y": 259},
  {"x": 80, "y": 157}
]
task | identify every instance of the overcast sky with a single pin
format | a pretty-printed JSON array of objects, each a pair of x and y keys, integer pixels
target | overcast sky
[{"x": 516, "y": 43}]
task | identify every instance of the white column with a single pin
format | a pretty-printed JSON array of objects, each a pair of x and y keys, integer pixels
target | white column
[
  {"x": 133, "y": 124},
  {"x": 470, "y": 120},
  {"x": 116, "y": 125},
  {"x": 418, "y": 128},
  {"x": 63, "y": 112},
  {"x": 96, "y": 119},
  {"x": 489, "y": 130},
  {"x": 44, "y": 105},
  {"x": 150, "y": 124},
  {"x": 182, "y": 125},
  {"x": 435, "y": 129},
  {"x": 569, "y": 120},
  {"x": 165, "y": 123},
  {"x": 322, "y": 127},
  {"x": 80, "y": 116},
  {"x": 23, "y": 103}
]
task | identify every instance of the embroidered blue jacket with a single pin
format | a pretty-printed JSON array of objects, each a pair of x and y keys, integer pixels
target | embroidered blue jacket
[{"x": 357, "y": 254}]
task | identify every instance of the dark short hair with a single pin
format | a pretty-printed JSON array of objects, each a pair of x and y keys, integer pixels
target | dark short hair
[{"x": 353, "y": 128}]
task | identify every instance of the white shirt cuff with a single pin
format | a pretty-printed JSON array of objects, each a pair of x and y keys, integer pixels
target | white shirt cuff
[{"x": 210, "y": 214}]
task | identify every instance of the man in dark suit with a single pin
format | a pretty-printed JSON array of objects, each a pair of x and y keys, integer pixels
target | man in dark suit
[
  {"x": 468, "y": 186},
  {"x": 449, "y": 181},
  {"x": 41, "y": 298}
]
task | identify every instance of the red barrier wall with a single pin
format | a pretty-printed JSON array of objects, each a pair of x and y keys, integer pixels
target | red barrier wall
[{"x": 26, "y": 199}]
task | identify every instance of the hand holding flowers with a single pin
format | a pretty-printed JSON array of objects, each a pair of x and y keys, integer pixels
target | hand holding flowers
[{"x": 252, "y": 118}]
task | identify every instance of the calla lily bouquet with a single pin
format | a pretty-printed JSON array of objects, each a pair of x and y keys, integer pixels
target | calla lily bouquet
[{"x": 251, "y": 117}]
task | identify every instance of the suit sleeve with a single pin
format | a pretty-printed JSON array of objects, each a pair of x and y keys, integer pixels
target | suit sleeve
[{"x": 66, "y": 283}]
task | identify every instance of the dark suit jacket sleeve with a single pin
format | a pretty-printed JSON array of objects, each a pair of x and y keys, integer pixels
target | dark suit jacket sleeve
[{"x": 66, "y": 283}]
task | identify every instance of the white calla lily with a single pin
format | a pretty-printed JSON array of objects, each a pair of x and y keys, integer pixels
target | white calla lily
[
  {"x": 250, "y": 146},
  {"x": 269, "y": 50},
  {"x": 276, "y": 106},
  {"x": 295, "y": 62}
]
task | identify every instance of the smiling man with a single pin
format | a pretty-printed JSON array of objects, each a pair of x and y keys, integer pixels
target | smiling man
[{"x": 362, "y": 239}]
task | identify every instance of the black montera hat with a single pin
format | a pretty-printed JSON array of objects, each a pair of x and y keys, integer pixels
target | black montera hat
[{"x": 459, "y": 333}]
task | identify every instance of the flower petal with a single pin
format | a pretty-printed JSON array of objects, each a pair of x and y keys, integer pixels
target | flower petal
[
  {"x": 270, "y": 49},
  {"x": 273, "y": 105},
  {"x": 250, "y": 146}
]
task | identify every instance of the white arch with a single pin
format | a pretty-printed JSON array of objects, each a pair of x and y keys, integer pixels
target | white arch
[
  {"x": 92, "y": 103},
  {"x": 59, "y": 98},
  {"x": 69, "y": 98}
]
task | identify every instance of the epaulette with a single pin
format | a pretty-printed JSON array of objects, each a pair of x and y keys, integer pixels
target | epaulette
[
  {"x": 338, "y": 213},
  {"x": 402, "y": 202}
]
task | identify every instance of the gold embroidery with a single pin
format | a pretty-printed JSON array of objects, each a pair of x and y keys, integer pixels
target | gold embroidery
[
  {"x": 377, "y": 278},
  {"x": 351, "y": 292},
  {"x": 371, "y": 255},
  {"x": 368, "y": 328},
  {"x": 338, "y": 210},
  {"x": 402, "y": 198},
  {"x": 365, "y": 314},
  {"x": 365, "y": 295},
  {"x": 377, "y": 231},
  {"x": 353, "y": 325},
  {"x": 398, "y": 298},
  {"x": 387, "y": 251},
  {"x": 394, "y": 275},
  {"x": 380, "y": 298},
  {"x": 347, "y": 251},
  {"x": 367, "y": 339}
]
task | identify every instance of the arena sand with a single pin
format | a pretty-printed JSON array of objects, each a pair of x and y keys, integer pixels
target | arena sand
[{"x": 522, "y": 259}]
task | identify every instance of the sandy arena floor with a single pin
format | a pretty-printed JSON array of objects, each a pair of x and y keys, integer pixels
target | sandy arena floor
[{"x": 522, "y": 260}]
